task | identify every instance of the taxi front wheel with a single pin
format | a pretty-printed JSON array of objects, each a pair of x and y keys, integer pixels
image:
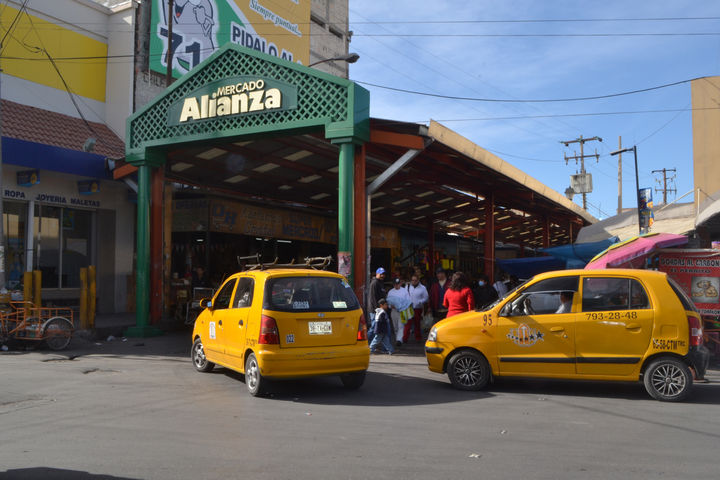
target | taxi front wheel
[
  {"x": 198, "y": 357},
  {"x": 468, "y": 370},
  {"x": 254, "y": 381},
  {"x": 668, "y": 379}
]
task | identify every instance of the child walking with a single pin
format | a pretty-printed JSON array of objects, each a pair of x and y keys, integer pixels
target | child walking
[{"x": 383, "y": 329}]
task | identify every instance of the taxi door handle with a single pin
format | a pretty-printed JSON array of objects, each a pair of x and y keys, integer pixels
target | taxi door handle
[
  {"x": 557, "y": 329},
  {"x": 240, "y": 323},
  {"x": 631, "y": 326},
  {"x": 220, "y": 323}
]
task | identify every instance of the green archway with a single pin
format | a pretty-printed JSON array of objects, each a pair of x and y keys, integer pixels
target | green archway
[{"x": 238, "y": 93}]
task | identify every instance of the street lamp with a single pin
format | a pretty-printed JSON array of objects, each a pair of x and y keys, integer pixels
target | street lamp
[
  {"x": 637, "y": 183},
  {"x": 348, "y": 57}
]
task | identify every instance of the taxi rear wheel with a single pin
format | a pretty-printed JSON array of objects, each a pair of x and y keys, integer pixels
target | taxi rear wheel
[
  {"x": 468, "y": 370},
  {"x": 668, "y": 379},
  {"x": 353, "y": 381},
  {"x": 254, "y": 381},
  {"x": 198, "y": 357}
]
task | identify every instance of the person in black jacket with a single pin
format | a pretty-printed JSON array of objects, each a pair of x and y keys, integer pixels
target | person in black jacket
[
  {"x": 484, "y": 293},
  {"x": 376, "y": 291}
]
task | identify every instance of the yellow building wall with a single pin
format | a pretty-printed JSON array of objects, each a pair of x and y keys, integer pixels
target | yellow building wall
[
  {"x": 22, "y": 59},
  {"x": 706, "y": 140}
]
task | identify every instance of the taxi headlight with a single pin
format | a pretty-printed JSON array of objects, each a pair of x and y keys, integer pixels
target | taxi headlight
[{"x": 432, "y": 337}]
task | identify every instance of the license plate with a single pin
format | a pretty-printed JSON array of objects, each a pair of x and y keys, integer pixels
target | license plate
[{"x": 320, "y": 328}]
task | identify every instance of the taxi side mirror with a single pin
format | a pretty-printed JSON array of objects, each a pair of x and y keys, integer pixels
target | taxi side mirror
[{"x": 206, "y": 303}]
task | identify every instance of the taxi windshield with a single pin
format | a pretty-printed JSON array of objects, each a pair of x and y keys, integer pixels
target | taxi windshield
[{"x": 309, "y": 294}]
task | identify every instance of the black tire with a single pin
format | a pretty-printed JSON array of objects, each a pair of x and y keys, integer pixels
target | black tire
[
  {"x": 199, "y": 360},
  {"x": 353, "y": 381},
  {"x": 668, "y": 379},
  {"x": 254, "y": 381},
  {"x": 57, "y": 333},
  {"x": 468, "y": 370}
]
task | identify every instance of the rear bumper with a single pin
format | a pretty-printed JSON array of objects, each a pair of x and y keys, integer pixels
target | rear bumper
[
  {"x": 699, "y": 358},
  {"x": 309, "y": 362}
]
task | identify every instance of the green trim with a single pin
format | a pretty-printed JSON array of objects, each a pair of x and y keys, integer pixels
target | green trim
[{"x": 338, "y": 106}]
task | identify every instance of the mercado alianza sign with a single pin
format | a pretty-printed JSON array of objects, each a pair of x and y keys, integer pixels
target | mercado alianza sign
[
  {"x": 276, "y": 27},
  {"x": 233, "y": 96}
]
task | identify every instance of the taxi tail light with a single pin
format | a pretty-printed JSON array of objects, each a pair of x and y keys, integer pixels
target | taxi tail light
[
  {"x": 696, "y": 331},
  {"x": 269, "y": 334},
  {"x": 362, "y": 329}
]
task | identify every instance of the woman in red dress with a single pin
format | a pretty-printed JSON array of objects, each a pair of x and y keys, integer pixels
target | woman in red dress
[{"x": 459, "y": 297}]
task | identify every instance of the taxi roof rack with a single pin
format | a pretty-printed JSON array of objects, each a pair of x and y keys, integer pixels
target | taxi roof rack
[{"x": 315, "y": 263}]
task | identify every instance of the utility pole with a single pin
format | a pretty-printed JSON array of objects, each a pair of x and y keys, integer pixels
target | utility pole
[
  {"x": 619, "y": 209},
  {"x": 665, "y": 188},
  {"x": 582, "y": 158}
]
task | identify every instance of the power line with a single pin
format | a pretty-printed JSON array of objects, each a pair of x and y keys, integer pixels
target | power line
[{"x": 509, "y": 100}]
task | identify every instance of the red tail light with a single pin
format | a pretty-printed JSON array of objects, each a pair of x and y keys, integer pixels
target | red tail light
[
  {"x": 269, "y": 334},
  {"x": 362, "y": 329},
  {"x": 696, "y": 331}
]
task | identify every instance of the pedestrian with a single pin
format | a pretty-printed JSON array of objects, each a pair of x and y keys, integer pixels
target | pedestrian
[
  {"x": 419, "y": 297},
  {"x": 500, "y": 286},
  {"x": 459, "y": 297},
  {"x": 484, "y": 293},
  {"x": 199, "y": 278},
  {"x": 376, "y": 291},
  {"x": 437, "y": 294},
  {"x": 383, "y": 329},
  {"x": 399, "y": 299}
]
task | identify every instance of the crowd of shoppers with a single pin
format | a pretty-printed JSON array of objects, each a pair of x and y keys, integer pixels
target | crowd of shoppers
[{"x": 413, "y": 307}]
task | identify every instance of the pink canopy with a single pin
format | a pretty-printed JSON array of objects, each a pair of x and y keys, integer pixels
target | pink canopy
[{"x": 633, "y": 252}]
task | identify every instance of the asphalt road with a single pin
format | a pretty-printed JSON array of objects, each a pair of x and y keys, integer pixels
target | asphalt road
[{"x": 138, "y": 410}]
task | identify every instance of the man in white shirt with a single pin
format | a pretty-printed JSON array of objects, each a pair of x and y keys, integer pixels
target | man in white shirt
[
  {"x": 420, "y": 298},
  {"x": 399, "y": 299}
]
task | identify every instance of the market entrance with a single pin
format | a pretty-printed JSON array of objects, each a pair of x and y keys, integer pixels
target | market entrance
[{"x": 236, "y": 96}]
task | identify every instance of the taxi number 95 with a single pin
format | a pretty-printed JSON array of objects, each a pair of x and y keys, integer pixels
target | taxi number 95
[
  {"x": 487, "y": 320},
  {"x": 610, "y": 315}
]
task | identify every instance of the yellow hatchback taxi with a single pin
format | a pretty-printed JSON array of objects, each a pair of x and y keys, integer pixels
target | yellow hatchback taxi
[
  {"x": 615, "y": 324},
  {"x": 283, "y": 323}
]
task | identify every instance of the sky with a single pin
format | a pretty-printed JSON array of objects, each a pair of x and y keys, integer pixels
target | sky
[{"x": 547, "y": 50}]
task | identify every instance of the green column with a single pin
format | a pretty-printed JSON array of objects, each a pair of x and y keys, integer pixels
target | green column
[
  {"x": 142, "y": 263},
  {"x": 345, "y": 202}
]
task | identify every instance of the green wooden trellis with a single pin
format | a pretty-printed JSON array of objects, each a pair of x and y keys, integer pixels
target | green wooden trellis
[{"x": 339, "y": 107}]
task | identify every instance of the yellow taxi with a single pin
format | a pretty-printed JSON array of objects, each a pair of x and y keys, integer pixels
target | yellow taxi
[
  {"x": 283, "y": 323},
  {"x": 614, "y": 324}
]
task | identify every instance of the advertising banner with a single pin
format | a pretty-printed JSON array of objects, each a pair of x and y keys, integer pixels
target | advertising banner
[
  {"x": 698, "y": 274},
  {"x": 647, "y": 217},
  {"x": 276, "y": 27},
  {"x": 233, "y": 217}
]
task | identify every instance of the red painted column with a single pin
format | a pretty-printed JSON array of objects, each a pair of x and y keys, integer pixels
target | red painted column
[
  {"x": 431, "y": 249},
  {"x": 545, "y": 232},
  {"x": 490, "y": 236},
  {"x": 570, "y": 231},
  {"x": 156, "y": 243},
  {"x": 360, "y": 220}
]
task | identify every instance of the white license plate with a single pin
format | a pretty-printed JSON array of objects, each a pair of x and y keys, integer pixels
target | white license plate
[{"x": 320, "y": 328}]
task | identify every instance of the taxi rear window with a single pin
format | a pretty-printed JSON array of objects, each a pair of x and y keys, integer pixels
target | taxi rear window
[
  {"x": 309, "y": 294},
  {"x": 682, "y": 296}
]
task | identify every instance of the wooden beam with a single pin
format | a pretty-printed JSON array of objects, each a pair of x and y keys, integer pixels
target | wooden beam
[
  {"x": 397, "y": 139},
  {"x": 123, "y": 171}
]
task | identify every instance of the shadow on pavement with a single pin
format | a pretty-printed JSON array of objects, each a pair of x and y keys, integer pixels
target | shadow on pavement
[
  {"x": 379, "y": 390},
  {"x": 48, "y": 473}
]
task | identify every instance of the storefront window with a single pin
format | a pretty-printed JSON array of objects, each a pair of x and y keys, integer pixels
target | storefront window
[
  {"x": 47, "y": 244},
  {"x": 14, "y": 218},
  {"x": 76, "y": 227}
]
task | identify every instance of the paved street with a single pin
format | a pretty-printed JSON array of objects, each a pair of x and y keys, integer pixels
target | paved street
[{"x": 138, "y": 410}]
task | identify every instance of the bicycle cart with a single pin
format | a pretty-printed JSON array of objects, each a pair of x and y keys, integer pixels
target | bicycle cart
[{"x": 23, "y": 321}]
